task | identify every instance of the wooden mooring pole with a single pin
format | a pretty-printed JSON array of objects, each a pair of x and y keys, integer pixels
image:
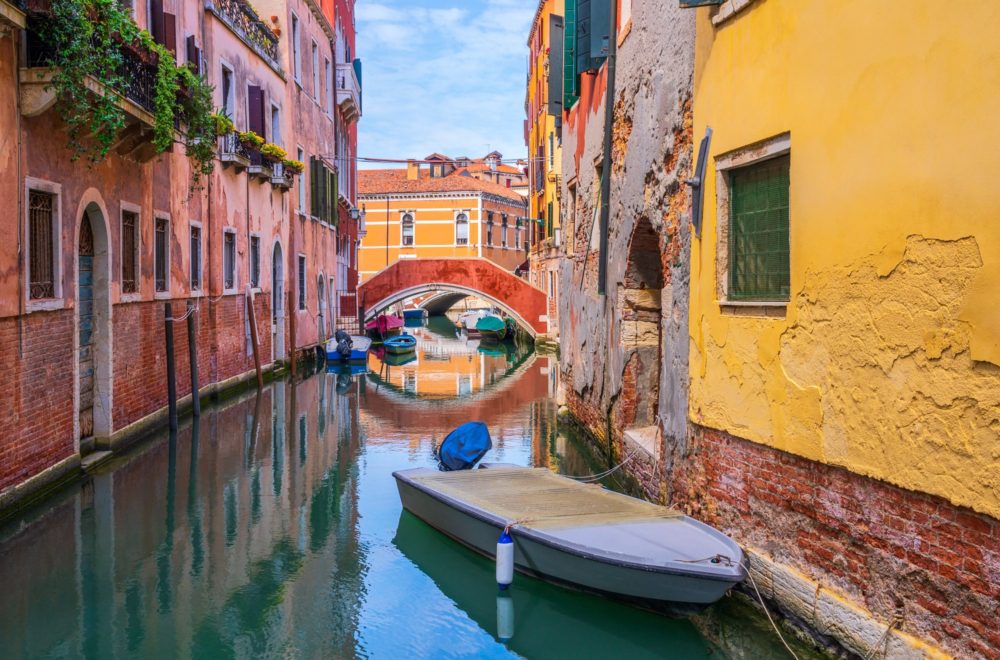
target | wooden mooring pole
[
  {"x": 168, "y": 327},
  {"x": 192, "y": 320},
  {"x": 254, "y": 339}
]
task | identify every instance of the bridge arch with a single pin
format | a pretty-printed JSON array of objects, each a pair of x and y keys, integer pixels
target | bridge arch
[{"x": 407, "y": 278}]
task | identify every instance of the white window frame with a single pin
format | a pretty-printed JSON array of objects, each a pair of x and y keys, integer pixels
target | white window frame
[
  {"x": 315, "y": 72},
  {"x": 229, "y": 111},
  {"x": 165, "y": 294},
  {"x": 300, "y": 154},
  {"x": 200, "y": 291},
  {"x": 458, "y": 214},
  {"x": 260, "y": 261},
  {"x": 59, "y": 301},
  {"x": 413, "y": 217},
  {"x": 276, "y": 135},
  {"x": 296, "y": 50},
  {"x": 236, "y": 261},
  {"x": 328, "y": 68},
  {"x": 124, "y": 206}
]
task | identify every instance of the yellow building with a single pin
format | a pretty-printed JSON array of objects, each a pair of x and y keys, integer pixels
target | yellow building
[
  {"x": 543, "y": 105},
  {"x": 845, "y": 295},
  {"x": 435, "y": 209}
]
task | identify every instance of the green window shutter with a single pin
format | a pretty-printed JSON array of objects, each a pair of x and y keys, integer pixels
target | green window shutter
[
  {"x": 336, "y": 200},
  {"x": 321, "y": 170},
  {"x": 313, "y": 187},
  {"x": 550, "y": 228},
  {"x": 570, "y": 90},
  {"x": 759, "y": 265}
]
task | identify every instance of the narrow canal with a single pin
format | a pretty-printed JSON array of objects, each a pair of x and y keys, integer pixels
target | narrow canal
[{"x": 273, "y": 528}]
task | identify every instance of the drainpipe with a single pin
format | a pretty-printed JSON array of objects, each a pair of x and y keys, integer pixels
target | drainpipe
[
  {"x": 21, "y": 229},
  {"x": 609, "y": 118}
]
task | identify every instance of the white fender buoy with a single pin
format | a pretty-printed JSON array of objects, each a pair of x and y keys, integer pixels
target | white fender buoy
[
  {"x": 505, "y": 560},
  {"x": 505, "y": 617}
]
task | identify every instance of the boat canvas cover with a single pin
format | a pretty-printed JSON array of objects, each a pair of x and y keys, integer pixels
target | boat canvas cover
[
  {"x": 464, "y": 446},
  {"x": 490, "y": 324}
]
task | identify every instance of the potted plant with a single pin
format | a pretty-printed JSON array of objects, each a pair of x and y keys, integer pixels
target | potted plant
[
  {"x": 223, "y": 124},
  {"x": 293, "y": 166},
  {"x": 251, "y": 140},
  {"x": 273, "y": 153}
]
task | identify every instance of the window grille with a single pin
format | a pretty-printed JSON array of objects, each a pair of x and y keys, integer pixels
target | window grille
[
  {"x": 407, "y": 230},
  {"x": 229, "y": 261},
  {"x": 758, "y": 231},
  {"x": 302, "y": 282},
  {"x": 462, "y": 229},
  {"x": 195, "y": 258},
  {"x": 130, "y": 280},
  {"x": 41, "y": 206},
  {"x": 160, "y": 258},
  {"x": 255, "y": 261}
]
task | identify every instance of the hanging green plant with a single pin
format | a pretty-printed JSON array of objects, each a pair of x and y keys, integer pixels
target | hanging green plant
[{"x": 223, "y": 124}]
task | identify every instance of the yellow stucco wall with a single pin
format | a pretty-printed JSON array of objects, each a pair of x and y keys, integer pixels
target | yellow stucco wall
[
  {"x": 541, "y": 124},
  {"x": 887, "y": 361}
]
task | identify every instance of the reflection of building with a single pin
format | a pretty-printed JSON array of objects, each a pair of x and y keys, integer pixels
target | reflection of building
[
  {"x": 543, "y": 105},
  {"x": 439, "y": 209}
]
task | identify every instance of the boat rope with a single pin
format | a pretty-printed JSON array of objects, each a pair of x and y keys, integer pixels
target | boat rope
[
  {"x": 768, "y": 613},
  {"x": 715, "y": 559},
  {"x": 882, "y": 640},
  {"x": 601, "y": 475}
]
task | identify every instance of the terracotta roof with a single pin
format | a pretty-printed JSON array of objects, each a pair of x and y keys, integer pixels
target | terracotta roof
[
  {"x": 380, "y": 182},
  {"x": 479, "y": 166}
]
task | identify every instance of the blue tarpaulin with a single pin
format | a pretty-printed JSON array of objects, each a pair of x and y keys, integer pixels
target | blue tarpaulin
[{"x": 464, "y": 446}]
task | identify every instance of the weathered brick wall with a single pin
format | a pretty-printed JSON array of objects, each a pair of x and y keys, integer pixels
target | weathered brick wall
[
  {"x": 890, "y": 549},
  {"x": 36, "y": 394}
]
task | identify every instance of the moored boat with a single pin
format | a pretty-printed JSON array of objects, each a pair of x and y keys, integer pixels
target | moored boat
[
  {"x": 418, "y": 313},
  {"x": 404, "y": 343},
  {"x": 354, "y": 351},
  {"x": 384, "y": 325},
  {"x": 492, "y": 328},
  {"x": 468, "y": 320},
  {"x": 579, "y": 535}
]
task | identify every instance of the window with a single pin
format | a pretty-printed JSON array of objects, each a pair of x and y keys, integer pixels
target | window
[
  {"x": 228, "y": 259},
  {"x": 328, "y": 77},
  {"x": 228, "y": 92},
  {"x": 315, "y": 67},
  {"x": 517, "y": 238},
  {"x": 462, "y": 229},
  {"x": 552, "y": 284},
  {"x": 503, "y": 231},
  {"x": 296, "y": 51},
  {"x": 195, "y": 258},
  {"x": 255, "y": 262},
  {"x": 302, "y": 281},
  {"x": 276, "y": 125},
  {"x": 42, "y": 244},
  {"x": 758, "y": 231},
  {"x": 130, "y": 251},
  {"x": 407, "y": 229},
  {"x": 552, "y": 149},
  {"x": 161, "y": 247},
  {"x": 489, "y": 229},
  {"x": 300, "y": 155}
]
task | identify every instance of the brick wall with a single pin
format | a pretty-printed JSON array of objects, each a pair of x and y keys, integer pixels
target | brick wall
[
  {"x": 36, "y": 394},
  {"x": 882, "y": 546}
]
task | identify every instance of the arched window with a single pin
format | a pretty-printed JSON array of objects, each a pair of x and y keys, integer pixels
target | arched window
[
  {"x": 407, "y": 226},
  {"x": 461, "y": 229}
]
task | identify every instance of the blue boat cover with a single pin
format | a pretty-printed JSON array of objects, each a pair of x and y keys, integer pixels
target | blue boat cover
[{"x": 464, "y": 447}]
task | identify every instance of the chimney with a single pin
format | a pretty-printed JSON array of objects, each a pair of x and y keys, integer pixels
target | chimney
[{"x": 412, "y": 170}]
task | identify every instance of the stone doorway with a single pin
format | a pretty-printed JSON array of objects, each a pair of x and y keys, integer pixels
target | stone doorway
[
  {"x": 277, "y": 304},
  {"x": 93, "y": 317}
]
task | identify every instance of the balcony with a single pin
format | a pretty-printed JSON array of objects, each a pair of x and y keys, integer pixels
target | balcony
[
  {"x": 260, "y": 167},
  {"x": 12, "y": 15},
  {"x": 134, "y": 93},
  {"x": 245, "y": 24},
  {"x": 233, "y": 153},
  {"x": 349, "y": 90},
  {"x": 280, "y": 178}
]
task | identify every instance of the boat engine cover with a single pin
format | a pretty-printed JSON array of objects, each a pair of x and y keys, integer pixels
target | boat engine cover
[{"x": 464, "y": 447}]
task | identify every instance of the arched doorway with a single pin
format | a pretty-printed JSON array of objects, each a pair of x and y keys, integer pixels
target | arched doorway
[
  {"x": 277, "y": 304},
  {"x": 93, "y": 316},
  {"x": 321, "y": 299},
  {"x": 640, "y": 301}
]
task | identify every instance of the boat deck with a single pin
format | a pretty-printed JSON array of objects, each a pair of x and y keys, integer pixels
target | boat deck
[{"x": 539, "y": 499}]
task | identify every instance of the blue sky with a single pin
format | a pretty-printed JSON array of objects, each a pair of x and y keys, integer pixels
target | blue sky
[{"x": 443, "y": 75}]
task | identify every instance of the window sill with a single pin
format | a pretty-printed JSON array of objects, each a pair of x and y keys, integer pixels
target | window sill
[
  {"x": 45, "y": 305},
  {"x": 130, "y": 297},
  {"x": 730, "y": 9},
  {"x": 759, "y": 308},
  {"x": 162, "y": 295},
  {"x": 230, "y": 292}
]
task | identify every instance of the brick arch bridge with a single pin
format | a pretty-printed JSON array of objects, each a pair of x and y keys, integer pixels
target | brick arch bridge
[{"x": 411, "y": 277}]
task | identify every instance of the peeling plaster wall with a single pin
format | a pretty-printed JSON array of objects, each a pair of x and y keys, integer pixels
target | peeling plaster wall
[
  {"x": 651, "y": 159},
  {"x": 887, "y": 361}
]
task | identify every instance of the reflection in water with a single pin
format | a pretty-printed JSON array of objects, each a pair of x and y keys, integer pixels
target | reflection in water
[{"x": 272, "y": 527}]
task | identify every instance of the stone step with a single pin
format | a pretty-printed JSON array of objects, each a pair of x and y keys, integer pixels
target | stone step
[{"x": 95, "y": 459}]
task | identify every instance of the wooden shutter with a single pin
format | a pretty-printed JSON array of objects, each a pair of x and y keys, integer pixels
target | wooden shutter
[
  {"x": 582, "y": 35},
  {"x": 255, "y": 110},
  {"x": 569, "y": 56},
  {"x": 335, "y": 217},
  {"x": 313, "y": 188},
  {"x": 170, "y": 33},
  {"x": 555, "y": 65},
  {"x": 600, "y": 31},
  {"x": 193, "y": 56},
  {"x": 156, "y": 21}
]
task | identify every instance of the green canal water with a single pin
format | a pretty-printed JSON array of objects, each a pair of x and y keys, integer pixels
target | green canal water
[{"x": 272, "y": 528}]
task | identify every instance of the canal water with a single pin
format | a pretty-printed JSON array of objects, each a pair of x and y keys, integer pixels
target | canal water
[{"x": 272, "y": 528}]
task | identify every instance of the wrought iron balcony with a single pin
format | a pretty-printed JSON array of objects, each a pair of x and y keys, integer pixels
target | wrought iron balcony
[
  {"x": 349, "y": 90},
  {"x": 260, "y": 167},
  {"x": 233, "y": 153},
  {"x": 280, "y": 177},
  {"x": 244, "y": 22}
]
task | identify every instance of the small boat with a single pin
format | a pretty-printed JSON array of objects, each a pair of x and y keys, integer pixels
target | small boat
[
  {"x": 418, "y": 313},
  {"x": 579, "y": 535},
  {"x": 468, "y": 320},
  {"x": 384, "y": 325},
  {"x": 404, "y": 343},
  {"x": 399, "y": 359},
  {"x": 492, "y": 328},
  {"x": 357, "y": 347}
]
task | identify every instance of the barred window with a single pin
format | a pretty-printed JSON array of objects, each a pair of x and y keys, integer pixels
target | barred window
[
  {"x": 160, "y": 247},
  {"x": 195, "y": 258},
  {"x": 302, "y": 281},
  {"x": 503, "y": 230},
  {"x": 130, "y": 262},
  {"x": 229, "y": 260},
  {"x": 758, "y": 232},
  {"x": 407, "y": 225},
  {"x": 41, "y": 217},
  {"x": 462, "y": 229},
  {"x": 255, "y": 261},
  {"x": 489, "y": 229}
]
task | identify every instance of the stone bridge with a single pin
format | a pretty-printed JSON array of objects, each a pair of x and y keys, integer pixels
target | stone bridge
[{"x": 411, "y": 277}]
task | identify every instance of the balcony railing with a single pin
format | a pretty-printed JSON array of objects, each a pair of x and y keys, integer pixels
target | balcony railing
[
  {"x": 242, "y": 20},
  {"x": 233, "y": 153},
  {"x": 348, "y": 91}
]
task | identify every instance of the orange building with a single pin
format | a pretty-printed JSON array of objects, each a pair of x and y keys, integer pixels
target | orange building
[{"x": 438, "y": 208}]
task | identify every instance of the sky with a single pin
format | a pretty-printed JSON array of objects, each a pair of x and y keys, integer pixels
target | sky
[{"x": 443, "y": 76}]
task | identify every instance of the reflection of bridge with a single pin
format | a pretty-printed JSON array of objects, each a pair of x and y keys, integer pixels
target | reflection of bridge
[{"x": 407, "y": 278}]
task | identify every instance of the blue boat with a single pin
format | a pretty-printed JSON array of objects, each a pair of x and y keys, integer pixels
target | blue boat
[
  {"x": 357, "y": 349},
  {"x": 419, "y": 313},
  {"x": 404, "y": 343}
]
